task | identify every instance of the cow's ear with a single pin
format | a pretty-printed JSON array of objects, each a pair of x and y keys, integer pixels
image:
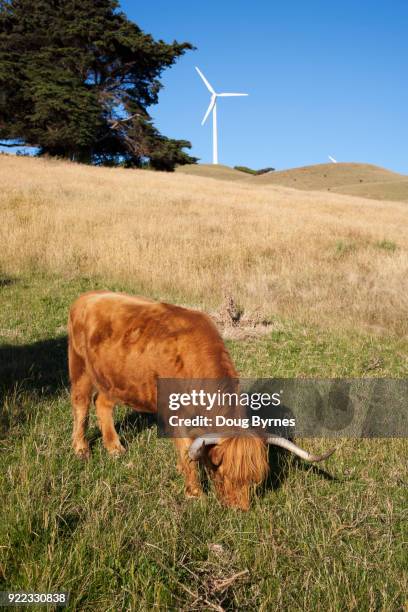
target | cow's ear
[{"x": 216, "y": 454}]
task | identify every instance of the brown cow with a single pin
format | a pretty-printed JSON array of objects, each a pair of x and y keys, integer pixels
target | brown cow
[{"x": 119, "y": 345}]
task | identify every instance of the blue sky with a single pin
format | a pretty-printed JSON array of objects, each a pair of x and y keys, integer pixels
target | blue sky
[{"x": 324, "y": 78}]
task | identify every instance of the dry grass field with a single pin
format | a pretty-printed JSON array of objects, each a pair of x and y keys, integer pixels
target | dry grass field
[
  {"x": 219, "y": 172},
  {"x": 331, "y": 176},
  {"x": 327, "y": 272},
  {"x": 308, "y": 256},
  {"x": 363, "y": 180}
]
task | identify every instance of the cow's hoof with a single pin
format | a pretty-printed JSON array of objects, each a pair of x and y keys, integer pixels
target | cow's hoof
[
  {"x": 194, "y": 493},
  {"x": 117, "y": 451},
  {"x": 82, "y": 453}
]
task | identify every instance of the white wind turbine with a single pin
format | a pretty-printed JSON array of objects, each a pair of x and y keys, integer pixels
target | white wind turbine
[
  {"x": 333, "y": 161},
  {"x": 213, "y": 107}
]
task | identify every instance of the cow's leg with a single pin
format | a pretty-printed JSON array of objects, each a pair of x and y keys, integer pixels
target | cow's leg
[
  {"x": 104, "y": 411},
  {"x": 81, "y": 393},
  {"x": 188, "y": 468}
]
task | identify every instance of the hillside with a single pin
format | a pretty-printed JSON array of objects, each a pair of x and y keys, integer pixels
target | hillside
[
  {"x": 329, "y": 176},
  {"x": 363, "y": 180},
  {"x": 190, "y": 239},
  {"x": 396, "y": 190},
  {"x": 220, "y": 172}
]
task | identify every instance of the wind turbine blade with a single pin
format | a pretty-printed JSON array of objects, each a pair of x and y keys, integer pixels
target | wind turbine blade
[
  {"x": 334, "y": 161},
  {"x": 209, "y": 87},
  {"x": 209, "y": 109},
  {"x": 227, "y": 95}
]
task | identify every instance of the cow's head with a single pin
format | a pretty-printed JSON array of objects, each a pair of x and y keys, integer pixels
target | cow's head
[{"x": 236, "y": 465}]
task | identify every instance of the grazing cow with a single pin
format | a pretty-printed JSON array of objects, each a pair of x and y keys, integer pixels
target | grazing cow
[{"x": 119, "y": 345}]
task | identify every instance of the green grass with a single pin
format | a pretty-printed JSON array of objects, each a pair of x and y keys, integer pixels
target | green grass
[
  {"x": 386, "y": 245},
  {"x": 246, "y": 169},
  {"x": 344, "y": 248},
  {"x": 119, "y": 534}
]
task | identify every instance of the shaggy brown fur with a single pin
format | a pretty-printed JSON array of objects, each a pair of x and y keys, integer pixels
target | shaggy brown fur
[
  {"x": 234, "y": 465},
  {"x": 120, "y": 345}
]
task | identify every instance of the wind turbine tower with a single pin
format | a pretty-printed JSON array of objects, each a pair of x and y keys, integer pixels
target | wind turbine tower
[{"x": 213, "y": 108}]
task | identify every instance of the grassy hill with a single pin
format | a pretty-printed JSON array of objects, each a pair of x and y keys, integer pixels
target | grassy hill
[
  {"x": 363, "y": 180},
  {"x": 328, "y": 277},
  {"x": 169, "y": 232},
  {"x": 220, "y": 172},
  {"x": 324, "y": 176},
  {"x": 396, "y": 190}
]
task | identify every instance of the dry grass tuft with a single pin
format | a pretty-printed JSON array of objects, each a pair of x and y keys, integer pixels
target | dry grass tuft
[
  {"x": 235, "y": 324},
  {"x": 310, "y": 256}
]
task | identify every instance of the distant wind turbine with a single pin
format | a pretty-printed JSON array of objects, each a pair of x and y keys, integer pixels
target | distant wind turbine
[
  {"x": 334, "y": 161},
  {"x": 213, "y": 107}
]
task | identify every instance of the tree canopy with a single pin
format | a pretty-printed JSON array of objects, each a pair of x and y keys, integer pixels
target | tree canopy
[{"x": 76, "y": 80}]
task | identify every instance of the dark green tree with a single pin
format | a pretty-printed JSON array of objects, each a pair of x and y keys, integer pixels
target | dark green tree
[{"x": 76, "y": 80}]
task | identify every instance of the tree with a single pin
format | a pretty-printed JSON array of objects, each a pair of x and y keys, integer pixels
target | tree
[{"x": 76, "y": 80}]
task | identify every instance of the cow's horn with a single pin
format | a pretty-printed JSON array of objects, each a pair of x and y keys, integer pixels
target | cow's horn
[
  {"x": 290, "y": 446},
  {"x": 197, "y": 447}
]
